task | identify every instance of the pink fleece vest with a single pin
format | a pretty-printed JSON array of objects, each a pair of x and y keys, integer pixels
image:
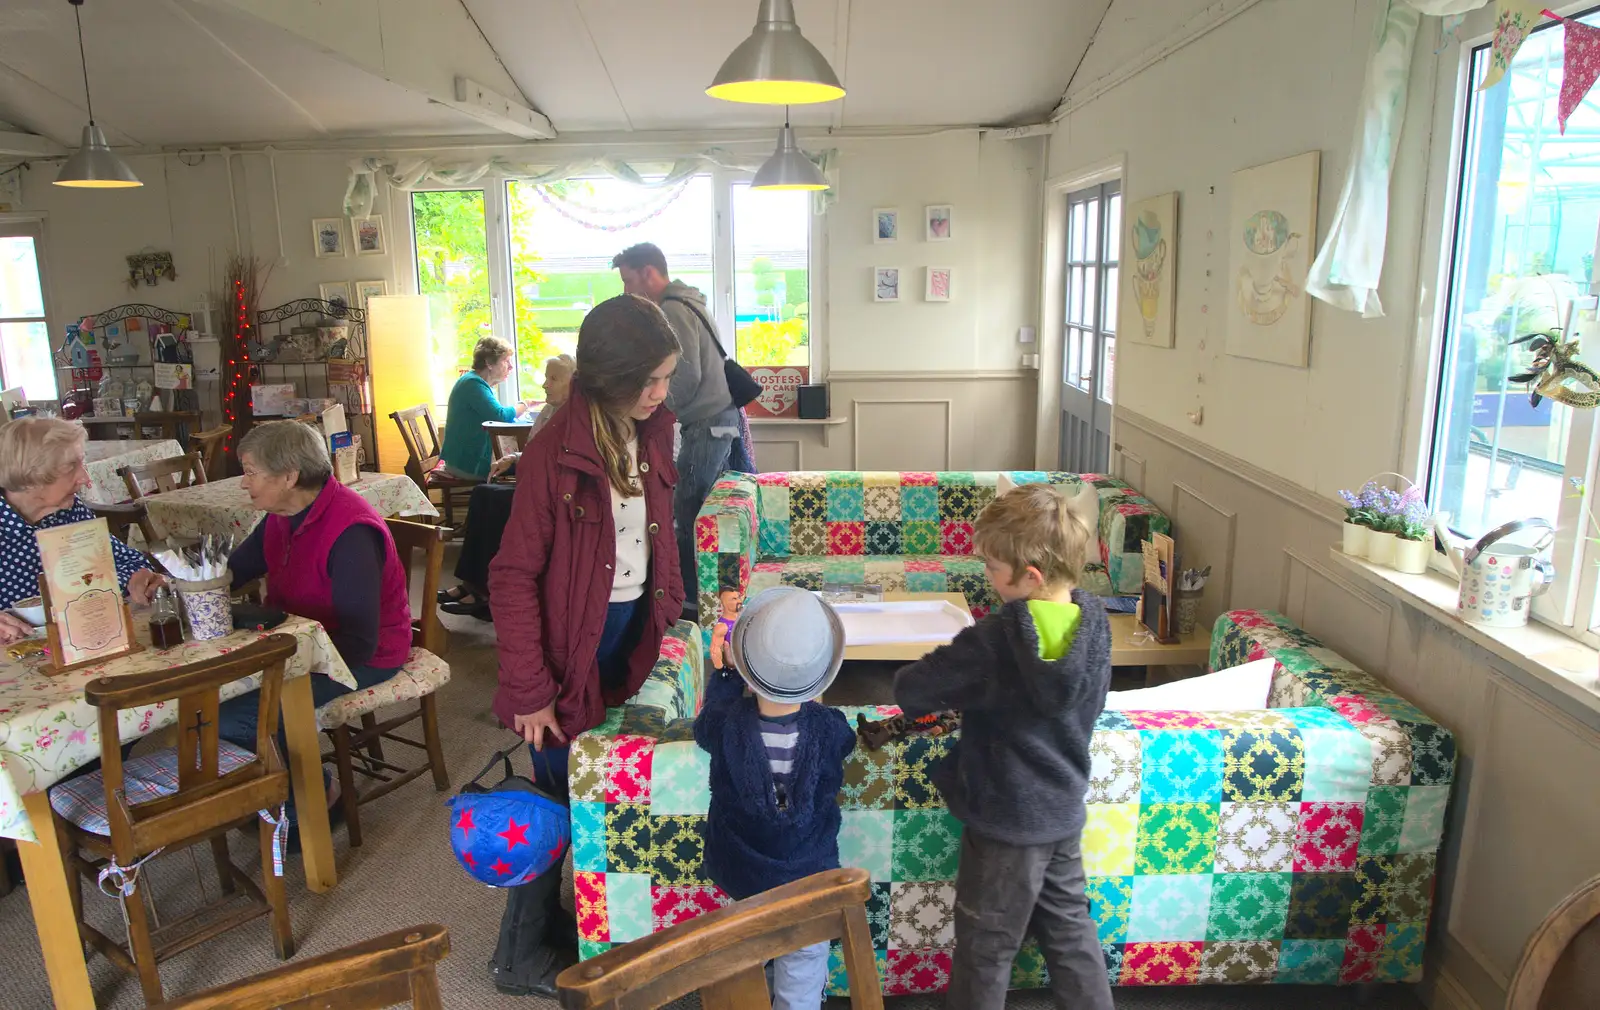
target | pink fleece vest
[{"x": 297, "y": 569}]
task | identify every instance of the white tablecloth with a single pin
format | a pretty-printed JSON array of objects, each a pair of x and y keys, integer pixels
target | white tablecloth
[
  {"x": 223, "y": 507},
  {"x": 104, "y": 459}
]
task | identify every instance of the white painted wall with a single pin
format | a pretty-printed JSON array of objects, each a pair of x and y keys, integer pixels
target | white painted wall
[{"x": 1239, "y": 96}]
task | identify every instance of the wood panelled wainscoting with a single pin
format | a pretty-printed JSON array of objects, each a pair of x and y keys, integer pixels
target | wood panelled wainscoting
[
  {"x": 910, "y": 421},
  {"x": 1524, "y": 827}
]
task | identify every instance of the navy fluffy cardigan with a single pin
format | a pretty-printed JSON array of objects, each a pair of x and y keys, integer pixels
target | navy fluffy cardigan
[{"x": 752, "y": 846}]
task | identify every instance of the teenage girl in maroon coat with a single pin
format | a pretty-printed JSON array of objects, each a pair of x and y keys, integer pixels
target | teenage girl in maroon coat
[{"x": 586, "y": 581}]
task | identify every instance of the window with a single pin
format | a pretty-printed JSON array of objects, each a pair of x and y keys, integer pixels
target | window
[
  {"x": 25, "y": 358},
  {"x": 1093, "y": 235},
  {"x": 533, "y": 280},
  {"x": 1521, "y": 260}
]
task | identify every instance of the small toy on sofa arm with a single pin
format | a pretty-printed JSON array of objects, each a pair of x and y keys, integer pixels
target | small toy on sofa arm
[{"x": 730, "y": 601}]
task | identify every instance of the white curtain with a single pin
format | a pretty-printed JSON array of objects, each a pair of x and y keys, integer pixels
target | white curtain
[
  {"x": 1350, "y": 261},
  {"x": 422, "y": 172}
]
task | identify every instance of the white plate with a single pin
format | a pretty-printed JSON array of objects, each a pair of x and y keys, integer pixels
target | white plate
[{"x": 895, "y": 622}]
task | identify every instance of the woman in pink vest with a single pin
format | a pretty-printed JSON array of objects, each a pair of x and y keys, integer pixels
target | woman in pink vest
[{"x": 327, "y": 555}]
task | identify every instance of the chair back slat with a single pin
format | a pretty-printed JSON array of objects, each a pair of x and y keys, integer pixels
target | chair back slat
[
  {"x": 209, "y": 444},
  {"x": 1560, "y": 964},
  {"x": 160, "y": 475},
  {"x": 421, "y": 438},
  {"x": 202, "y": 795},
  {"x": 721, "y": 954},
  {"x": 409, "y": 539},
  {"x": 387, "y": 970}
]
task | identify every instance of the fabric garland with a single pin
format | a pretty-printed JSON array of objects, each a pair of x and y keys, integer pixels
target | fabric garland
[
  {"x": 1580, "y": 66},
  {"x": 1514, "y": 19}
]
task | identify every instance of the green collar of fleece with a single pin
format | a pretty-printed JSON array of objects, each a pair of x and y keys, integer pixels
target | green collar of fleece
[{"x": 1057, "y": 625}]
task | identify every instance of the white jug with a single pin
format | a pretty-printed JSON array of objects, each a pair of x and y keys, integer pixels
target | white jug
[{"x": 1499, "y": 580}]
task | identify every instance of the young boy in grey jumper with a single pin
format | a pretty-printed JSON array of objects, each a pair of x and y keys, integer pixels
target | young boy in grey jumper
[{"x": 1029, "y": 681}]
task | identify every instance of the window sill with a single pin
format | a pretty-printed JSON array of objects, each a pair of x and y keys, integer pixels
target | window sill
[{"x": 1562, "y": 669}]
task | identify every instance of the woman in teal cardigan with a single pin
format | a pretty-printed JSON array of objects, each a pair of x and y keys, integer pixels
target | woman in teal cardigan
[{"x": 466, "y": 451}]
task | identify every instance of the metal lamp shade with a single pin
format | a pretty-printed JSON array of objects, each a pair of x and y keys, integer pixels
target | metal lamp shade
[
  {"x": 776, "y": 65},
  {"x": 788, "y": 168},
  {"x": 94, "y": 166}
]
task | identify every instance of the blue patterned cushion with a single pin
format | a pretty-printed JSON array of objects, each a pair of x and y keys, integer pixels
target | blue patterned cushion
[{"x": 149, "y": 777}]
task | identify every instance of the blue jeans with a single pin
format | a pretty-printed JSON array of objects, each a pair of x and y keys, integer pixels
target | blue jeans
[
  {"x": 701, "y": 460},
  {"x": 798, "y": 978},
  {"x": 617, "y": 640}
]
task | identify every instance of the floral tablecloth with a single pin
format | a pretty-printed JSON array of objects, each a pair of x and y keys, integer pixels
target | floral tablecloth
[
  {"x": 222, "y": 507},
  {"x": 104, "y": 459},
  {"x": 48, "y": 730}
]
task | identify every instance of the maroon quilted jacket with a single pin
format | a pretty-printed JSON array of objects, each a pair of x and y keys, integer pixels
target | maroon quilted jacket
[{"x": 551, "y": 581}]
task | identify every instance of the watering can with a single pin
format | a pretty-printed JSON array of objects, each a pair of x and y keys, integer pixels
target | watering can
[{"x": 1498, "y": 580}]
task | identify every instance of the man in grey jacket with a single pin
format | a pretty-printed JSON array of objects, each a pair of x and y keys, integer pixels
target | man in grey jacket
[{"x": 698, "y": 394}]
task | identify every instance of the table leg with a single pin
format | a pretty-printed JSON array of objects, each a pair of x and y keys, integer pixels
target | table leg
[
  {"x": 48, "y": 882},
  {"x": 310, "y": 796}
]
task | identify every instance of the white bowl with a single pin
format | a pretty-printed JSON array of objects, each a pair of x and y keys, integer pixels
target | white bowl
[{"x": 30, "y": 610}]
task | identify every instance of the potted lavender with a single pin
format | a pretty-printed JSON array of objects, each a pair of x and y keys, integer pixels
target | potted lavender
[
  {"x": 1359, "y": 518},
  {"x": 1413, "y": 544},
  {"x": 1385, "y": 526}
]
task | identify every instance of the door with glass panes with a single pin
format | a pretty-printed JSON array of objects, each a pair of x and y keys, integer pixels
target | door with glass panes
[{"x": 1094, "y": 223}]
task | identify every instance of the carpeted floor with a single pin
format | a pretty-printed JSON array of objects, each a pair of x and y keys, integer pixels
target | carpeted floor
[{"x": 404, "y": 874}]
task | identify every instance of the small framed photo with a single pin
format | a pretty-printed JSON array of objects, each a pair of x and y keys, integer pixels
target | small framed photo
[
  {"x": 336, "y": 295},
  {"x": 885, "y": 225},
  {"x": 368, "y": 233},
  {"x": 367, "y": 289},
  {"x": 886, "y": 284},
  {"x": 937, "y": 288},
  {"x": 328, "y": 234},
  {"x": 939, "y": 218}
]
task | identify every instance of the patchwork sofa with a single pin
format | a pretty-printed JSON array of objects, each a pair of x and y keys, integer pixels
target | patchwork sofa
[
  {"x": 906, "y": 530},
  {"x": 1294, "y": 844}
]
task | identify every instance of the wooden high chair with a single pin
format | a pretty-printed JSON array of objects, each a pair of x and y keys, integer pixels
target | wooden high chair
[{"x": 723, "y": 954}]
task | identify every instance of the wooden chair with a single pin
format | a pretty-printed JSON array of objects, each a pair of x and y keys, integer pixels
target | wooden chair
[
  {"x": 424, "y": 673},
  {"x": 208, "y": 445},
  {"x": 120, "y": 518},
  {"x": 507, "y": 437},
  {"x": 722, "y": 954},
  {"x": 173, "y": 424},
  {"x": 155, "y": 477},
  {"x": 388, "y": 970},
  {"x": 421, "y": 438},
  {"x": 177, "y": 797},
  {"x": 1560, "y": 965}
]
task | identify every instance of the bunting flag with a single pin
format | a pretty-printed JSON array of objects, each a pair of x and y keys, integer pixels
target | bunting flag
[
  {"x": 1580, "y": 65},
  {"x": 1514, "y": 19}
]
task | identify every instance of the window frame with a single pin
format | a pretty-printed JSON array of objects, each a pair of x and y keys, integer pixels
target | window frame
[
  {"x": 1102, "y": 328},
  {"x": 1570, "y": 603},
  {"x": 33, "y": 226}
]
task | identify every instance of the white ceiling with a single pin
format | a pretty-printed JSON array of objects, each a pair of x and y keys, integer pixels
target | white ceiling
[{"x": 174, "y": 72}]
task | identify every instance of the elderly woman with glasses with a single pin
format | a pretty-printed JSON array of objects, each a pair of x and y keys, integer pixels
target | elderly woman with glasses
[
  {"x": 327, "y": 555},
  {"x": 41, "y": 472}
]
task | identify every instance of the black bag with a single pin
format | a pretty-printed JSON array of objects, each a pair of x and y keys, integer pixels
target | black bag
[{"x": 741, "y": 386}]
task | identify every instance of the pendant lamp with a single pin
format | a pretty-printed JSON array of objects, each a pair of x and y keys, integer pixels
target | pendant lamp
[
  {"x": 93, "y": 165},
  {"x": 776, "y": 65},
  {"x": 788, "y": 168}
]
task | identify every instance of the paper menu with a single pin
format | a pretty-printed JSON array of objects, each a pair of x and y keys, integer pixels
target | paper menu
[{"x": 79, "y": 579}]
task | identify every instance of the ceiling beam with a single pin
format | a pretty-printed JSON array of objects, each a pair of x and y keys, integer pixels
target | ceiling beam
[
  {"x": 423, "y": 46},
  {"x": 29, "y": 145}
]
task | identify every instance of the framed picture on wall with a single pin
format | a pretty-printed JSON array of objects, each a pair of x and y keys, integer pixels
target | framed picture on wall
[
  {"x": 328, "y": 234},
  {"x": 337, "y": 295},
  {"x": 886, "y": 284},
  {"x": 367, "y": 289},
  {"x": 368, "y": 234},
  {"x": 940, "y": 222},
  {"x": 937, "y": 286},
  {"x": 885, "y": 225}
]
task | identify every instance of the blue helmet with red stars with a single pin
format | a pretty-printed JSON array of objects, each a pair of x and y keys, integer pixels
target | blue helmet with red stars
[{"x": 510, "y": 834}]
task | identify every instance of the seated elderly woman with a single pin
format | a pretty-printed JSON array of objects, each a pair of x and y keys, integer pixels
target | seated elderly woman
[
  {"x": 326, "y": 555},
  {"x": 466, "y": 452},
  {"x": 41, "y": 471}
]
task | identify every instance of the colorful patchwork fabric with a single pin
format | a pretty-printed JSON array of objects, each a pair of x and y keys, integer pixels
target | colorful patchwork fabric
[
  {"x": 1295, "y": 844},
  {"x": 910, "y": 530}
]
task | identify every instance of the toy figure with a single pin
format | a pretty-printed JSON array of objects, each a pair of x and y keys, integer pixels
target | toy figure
[{"x": 730, "y": 603}]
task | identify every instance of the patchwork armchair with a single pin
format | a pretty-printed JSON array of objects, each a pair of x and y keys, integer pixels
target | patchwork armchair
[
  {"x": 1292, "y": 844},
  {"x": 908, "y": 531}
]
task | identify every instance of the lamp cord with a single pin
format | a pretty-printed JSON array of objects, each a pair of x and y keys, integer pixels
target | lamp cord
[{"x": 83, "y": 60}]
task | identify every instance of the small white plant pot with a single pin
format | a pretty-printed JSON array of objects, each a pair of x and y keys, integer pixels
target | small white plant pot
[
  {"x": 1380, "y": 547},
  {"x": 1411, "y": 556},
  {"x": 1355, "y": 539}
]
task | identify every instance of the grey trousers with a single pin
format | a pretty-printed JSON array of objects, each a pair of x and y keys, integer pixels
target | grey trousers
[{"x": 1005, "y": 891}]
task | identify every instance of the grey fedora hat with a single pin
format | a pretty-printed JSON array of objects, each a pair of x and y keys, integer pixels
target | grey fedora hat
[{"x": 788, "y": 644}]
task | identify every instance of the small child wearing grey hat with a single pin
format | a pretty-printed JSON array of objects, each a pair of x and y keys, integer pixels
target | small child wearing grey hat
[{"x": 777, "y": 764}]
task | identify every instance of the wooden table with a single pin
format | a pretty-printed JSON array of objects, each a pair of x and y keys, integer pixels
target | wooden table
[
  {"x": 904, "y": 652},
  {"x": 1193, "y": 649},
  {"x": 48, "y": 731}
]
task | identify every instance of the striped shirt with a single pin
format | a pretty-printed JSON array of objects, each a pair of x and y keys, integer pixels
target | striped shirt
[{"x": 780, "y": 734}]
